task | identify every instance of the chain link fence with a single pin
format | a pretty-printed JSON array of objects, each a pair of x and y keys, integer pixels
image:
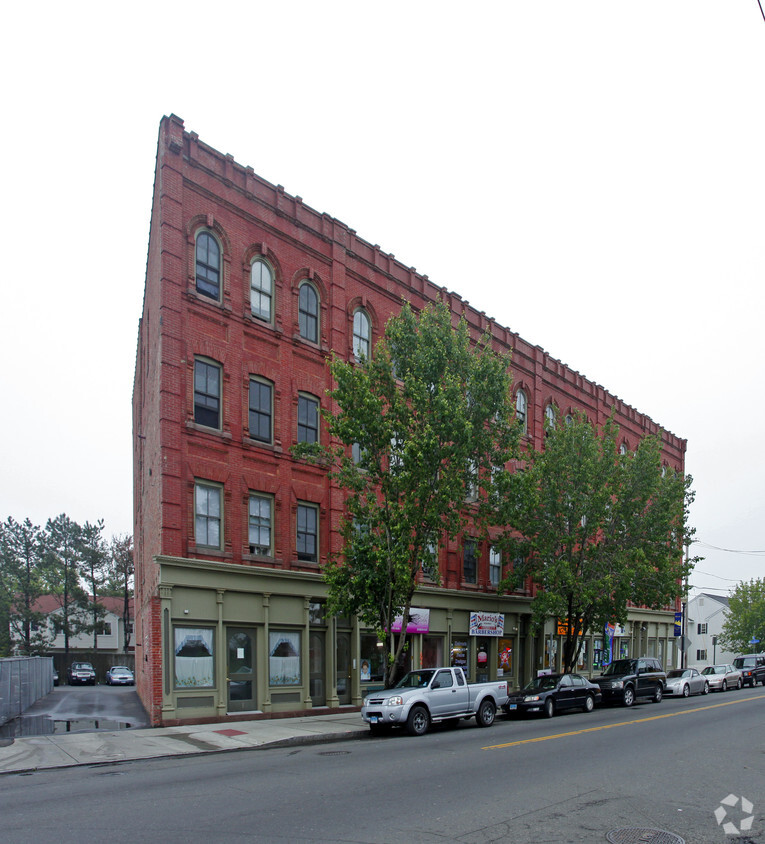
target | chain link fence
[{"x": 23, "y": 680}]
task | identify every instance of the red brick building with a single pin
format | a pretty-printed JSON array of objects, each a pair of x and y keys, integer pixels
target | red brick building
[{"x": 248, "y": 291}]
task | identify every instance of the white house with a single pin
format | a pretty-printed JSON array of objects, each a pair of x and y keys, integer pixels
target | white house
[{"x": 706, "y": 617}]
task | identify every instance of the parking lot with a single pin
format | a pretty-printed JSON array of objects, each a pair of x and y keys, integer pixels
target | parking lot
[{"x": 80, "y": 709}]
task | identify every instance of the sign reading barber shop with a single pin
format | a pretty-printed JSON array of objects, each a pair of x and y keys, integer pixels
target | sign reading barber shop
[{"x": 487, "y": 624}]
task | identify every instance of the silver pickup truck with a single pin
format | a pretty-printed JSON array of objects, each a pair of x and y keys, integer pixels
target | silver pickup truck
[{"x": 424, "y": 697}]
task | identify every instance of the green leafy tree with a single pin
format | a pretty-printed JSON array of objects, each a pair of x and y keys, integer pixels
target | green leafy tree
[
  {"x": 21, "y": 584},
  {"x": 119, "y": 582},
  {"x": 746, "y": 619},
  {"x": 593, "y": 528},
  {"x": 63, "y": 564},
  {"x": 93, "y": 565},
  {"x": 422, "y": 425}
]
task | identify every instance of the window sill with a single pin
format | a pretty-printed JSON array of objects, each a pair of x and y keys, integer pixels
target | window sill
[
  {"x": 206, "y": 551},
  {"x": 203, "y": 429},
  {"x": 195, "y": 296},
  {"x": 248, "y": 441}
]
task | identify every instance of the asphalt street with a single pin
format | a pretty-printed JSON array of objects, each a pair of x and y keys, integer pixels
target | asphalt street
[{"x": 574, "y": 778}]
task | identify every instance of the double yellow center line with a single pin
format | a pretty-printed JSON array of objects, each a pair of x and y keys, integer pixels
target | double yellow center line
[{"x": 622, "y": 723}]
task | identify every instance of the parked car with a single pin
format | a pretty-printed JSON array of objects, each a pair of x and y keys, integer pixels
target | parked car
[
  {"x": 625, "y": 680},
  {"x": 430, "y": 695},
  {"x": 683, "y": 682},
  {"x": 120, "y": 675},
  {"x": 81, "y": 673},
  {"x": 723, "y": 677},
  {"x": 752, "y": 668},
  {"x": 55, "y": 677},
  {"x": 553, "y": 693}
]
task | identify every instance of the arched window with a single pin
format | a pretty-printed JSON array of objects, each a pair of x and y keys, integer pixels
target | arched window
[
  {"x": 361, "y": 335},
  {"x": 521, "y": 406},
  {"x": 208, "y": 265},
  {"x": 261, "y": 290},
  {"x": 622, "y": 449},
  {"x": 550, "y": 416},
  {"x": 308, "y": 312}
]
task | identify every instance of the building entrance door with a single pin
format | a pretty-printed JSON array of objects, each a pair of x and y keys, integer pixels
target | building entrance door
[
  {"x": 316, "y": 666},
  {"x": 241, "y": 669},
  {"x": 344, "y": 667}
]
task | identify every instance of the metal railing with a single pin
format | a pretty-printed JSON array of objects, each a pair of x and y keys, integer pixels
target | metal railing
[{"x": 23, "y": 680}]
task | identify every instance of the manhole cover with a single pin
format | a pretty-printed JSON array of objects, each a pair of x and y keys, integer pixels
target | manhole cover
[
  {"x": 643, "y": 835},
  {"x": 334, "y": 753}
]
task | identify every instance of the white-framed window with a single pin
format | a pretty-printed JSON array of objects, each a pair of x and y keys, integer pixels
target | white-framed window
[
  {"x": 208, "y": 265},
  {"x": 495, "y": 566},
  {"x": 362, "y": 333},
  {"x": 308, "y": 312},
  {"x": 207, "y": 393},
  {"x": 208, "y": 514},
  {"x": 550, "y": 416},
  {"x": 521, "y": 410},
  {"x": 308, "y": 533},
  {"x": 261, "y": 410},
  {"x": 260, "y": 523},
  {"x": 261, "y": 290},
  {"x": 308, "y": 419}
]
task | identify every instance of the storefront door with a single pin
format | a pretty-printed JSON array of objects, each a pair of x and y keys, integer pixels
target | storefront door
[
  {"x": 241, "y": 669},
  {"x": 317, "y": 688},
  {"x": 344, "y": 667}
]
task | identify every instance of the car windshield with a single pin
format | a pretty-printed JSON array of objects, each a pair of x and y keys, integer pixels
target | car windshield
[
  {"x": 673, "y": 675},
  {"x": 715, "y": 669},
  {"x": 82, "y": 666},
  {"x": 743, "y": 663},
  {"x": 542, "y": 684},
  {"x": 620, "y": 666},
  {"x": 415, "y": 680},
  {"x": 120, "y": 671}
]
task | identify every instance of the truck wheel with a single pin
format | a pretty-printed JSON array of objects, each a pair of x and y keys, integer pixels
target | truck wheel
[
  {"x": 418, "y": 721},
  {"x": 589, "y": 704},
  {"x": 549, "y": 707},
  {"x": 486, "y": 712},
  {"x": 659, "y": 692},
  {"x": 629, "y": 696}
]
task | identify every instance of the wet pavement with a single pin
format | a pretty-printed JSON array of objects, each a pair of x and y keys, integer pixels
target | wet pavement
[
  {"x": 77, "y": 709},
  {"x": 107, "y": 724}
]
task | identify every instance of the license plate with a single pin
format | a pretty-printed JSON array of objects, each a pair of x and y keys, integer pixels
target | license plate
[
  {"x": 512, "y": 706},
  {"x": 372, "y": 719}
]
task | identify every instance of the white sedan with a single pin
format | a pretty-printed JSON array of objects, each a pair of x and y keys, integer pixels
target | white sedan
[
  {"x": 683, "y": 682},
  {"x": 722, "y": 677}
]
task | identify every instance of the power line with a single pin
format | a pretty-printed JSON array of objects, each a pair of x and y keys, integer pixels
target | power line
[
  {"x": 728, "y": 550},
  {"x": 761, "y": 12}
]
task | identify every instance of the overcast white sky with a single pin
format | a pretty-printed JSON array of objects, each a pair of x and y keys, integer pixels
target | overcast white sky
[{"x": 590, "y": 174}]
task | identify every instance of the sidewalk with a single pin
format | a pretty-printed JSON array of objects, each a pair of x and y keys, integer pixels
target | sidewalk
[{"x": 33, "y": 753}]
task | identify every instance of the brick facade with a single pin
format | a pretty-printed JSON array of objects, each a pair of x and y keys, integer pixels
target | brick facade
[{"x": 198, "y": 190}]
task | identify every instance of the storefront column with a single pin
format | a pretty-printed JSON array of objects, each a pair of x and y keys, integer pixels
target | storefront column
[
  {"x": 333, "y": 701},
  {"x": 221, "y": 657},
  {"x": 305, "y": 654},
  {"x": 265, "y": 673},
  {"x": 356, "y": 698},
  {"x": 168, "y": 651}
]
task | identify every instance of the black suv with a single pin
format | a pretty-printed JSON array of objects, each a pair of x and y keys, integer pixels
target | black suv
[
  {"x": 627, "y": 679},
  {"x": 752, "y": 668}
]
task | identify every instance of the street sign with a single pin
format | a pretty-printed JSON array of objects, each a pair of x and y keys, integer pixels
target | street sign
[{"x": 753, "y": 641}]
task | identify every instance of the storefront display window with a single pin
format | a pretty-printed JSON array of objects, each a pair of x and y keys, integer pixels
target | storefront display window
[
  {"x": 432, "y": 652},
  {"x": 284, "y": 658},
  {"x": 194, "y": 658},
  {"x": 504, "y": 657},
  {"x": 459, "y": 654},
  {"x": 372, "y": 662}
]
